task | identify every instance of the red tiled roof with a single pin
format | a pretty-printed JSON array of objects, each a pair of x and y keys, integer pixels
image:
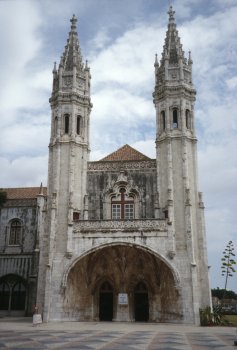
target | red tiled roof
[
  {"x": 125, "y": 153},
  {"x": 23, "y": 192}
]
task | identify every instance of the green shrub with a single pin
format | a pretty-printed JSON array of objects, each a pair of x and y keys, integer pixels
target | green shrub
[{"x": 213, "y": 318}]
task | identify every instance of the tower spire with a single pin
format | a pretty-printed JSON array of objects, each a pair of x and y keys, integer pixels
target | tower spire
[
  {"x": 172, "y": 50},
  {"x": 174, "y": 66},
  {"x": 72, "y": 52}
]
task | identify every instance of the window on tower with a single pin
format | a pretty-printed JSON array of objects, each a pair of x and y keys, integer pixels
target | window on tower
[
  {"x": 78, "y": 126},
  {"x": 55, "y": 126},
  {"x": 188, "y": 119},
  {"x": 122, "y": 206},
  {"x": 175, "y": 118},
  {"x": 76, "y": 216},
  {"x": 163, "y": 120},
  {"x": 66, "y": 123}
]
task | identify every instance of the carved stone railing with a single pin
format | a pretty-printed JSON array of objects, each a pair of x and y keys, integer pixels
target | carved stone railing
[{"x": 110, "y": 226}]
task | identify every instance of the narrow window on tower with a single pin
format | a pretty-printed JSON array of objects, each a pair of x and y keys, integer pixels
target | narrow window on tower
[
  {"x": 66, "y": 123},
  {"x": 175, "y": 118},
  {"x": 188, "y": 120},
  {"x": 78, "y": 125},
  {"x": 55, "y": 126},
  {"x": 163, "y": 120}
]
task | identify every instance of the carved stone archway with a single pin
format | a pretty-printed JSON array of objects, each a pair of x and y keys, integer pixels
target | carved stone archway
[{"x": 123, "y": 266}]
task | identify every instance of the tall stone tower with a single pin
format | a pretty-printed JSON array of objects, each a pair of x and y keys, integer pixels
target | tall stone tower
[
  {"x": 179, "y": 199},
  {"x": 68, "y": 156}
]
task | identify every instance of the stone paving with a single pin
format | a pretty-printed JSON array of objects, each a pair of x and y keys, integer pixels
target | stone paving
[{"x": 15, "y": 335}]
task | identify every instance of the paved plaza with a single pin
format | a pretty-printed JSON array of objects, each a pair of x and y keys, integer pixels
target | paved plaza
[{"x": 20, "y": 334}]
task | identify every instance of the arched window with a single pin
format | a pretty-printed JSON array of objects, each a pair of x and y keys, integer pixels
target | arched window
[
  {"x": 175, "y": 118},
  {"x": 12, "y": 293},
  {"x": 66, "y": 123},
  {"x": 15, "y": 232},
  {"x": 188, "y": 119},
  {"x": 122, "y": 206},
  {"x": 163, "y": 120},
  {"x": 78, "y": 126},
  {"x": 55, "y": 126}
]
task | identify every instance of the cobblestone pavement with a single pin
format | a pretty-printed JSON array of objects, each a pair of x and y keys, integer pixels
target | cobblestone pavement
[{"x": 118, "y": 336}]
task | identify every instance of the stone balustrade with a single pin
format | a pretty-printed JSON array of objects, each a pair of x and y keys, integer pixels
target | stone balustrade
[{"x": 109, "y": 226}]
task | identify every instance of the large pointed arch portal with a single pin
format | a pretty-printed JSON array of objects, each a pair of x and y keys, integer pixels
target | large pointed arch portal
[{"x": 121, "y": 282}]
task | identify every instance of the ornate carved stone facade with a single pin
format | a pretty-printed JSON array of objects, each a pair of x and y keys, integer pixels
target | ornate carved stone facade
[{"x": 122, "y": 238}]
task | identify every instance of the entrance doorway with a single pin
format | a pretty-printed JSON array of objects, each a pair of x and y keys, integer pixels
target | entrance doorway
[
  {"x": 106, "y": 302},
  {"x": 141, "y": 303}
]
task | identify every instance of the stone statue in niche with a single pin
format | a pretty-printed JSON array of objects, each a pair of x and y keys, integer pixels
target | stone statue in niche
[
  {"x": 68, "y": 81},
  {"x": 122, "y": 177}
]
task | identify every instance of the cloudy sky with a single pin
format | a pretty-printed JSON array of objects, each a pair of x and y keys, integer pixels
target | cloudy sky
[{"x": 120, "y": 39}]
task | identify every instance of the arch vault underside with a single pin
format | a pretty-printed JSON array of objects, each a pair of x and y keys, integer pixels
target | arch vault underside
[{"x": 125, "y": 282}]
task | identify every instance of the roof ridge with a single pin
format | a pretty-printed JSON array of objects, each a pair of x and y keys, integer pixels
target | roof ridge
[
  {"x": 125, "y": 153},
  {"x": 24, "y": 192}
]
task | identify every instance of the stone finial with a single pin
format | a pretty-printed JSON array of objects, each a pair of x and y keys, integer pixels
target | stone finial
[
  {"x": 190, "y": 61},
  {"x": 73, "y": 20},
  {"x": 171, "y": 13},
  {"x": 201, "y": 204},
  {"x": 41, "y": 188},
  {"x": 156, "y": 64},
  {"x": 55, "y": 68}
]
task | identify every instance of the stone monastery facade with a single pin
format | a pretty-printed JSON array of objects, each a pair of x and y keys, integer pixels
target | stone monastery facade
[{"x": 119, "y": 239}]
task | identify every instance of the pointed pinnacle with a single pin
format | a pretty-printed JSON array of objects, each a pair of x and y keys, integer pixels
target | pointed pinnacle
[
  {"x": 55, "y": 67},
  {"x": 190, "y": 61},
  {"x": 41, "y": 188},
  {"x": 73, "y": 20},
  {"x": 171, "y": 13},
  {"x": 156, "y": 64}
]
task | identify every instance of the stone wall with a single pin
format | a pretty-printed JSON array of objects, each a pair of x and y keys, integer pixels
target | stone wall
[{"x": 20, "y": 260}]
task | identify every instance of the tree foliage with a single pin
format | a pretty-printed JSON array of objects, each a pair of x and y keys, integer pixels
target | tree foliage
[
  {"x": 220, "y": 293},
  {"x": 228, "y": 262},
  {"x": 3, "y": 197}
]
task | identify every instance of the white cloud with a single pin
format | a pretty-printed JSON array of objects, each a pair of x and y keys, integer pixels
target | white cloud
[
  {"x": 25, "y": 138},
  {"x": 232, "y": 82},
  {"x": 20, "y": 44},
  {"x": 146, "y": 147},
  {"x": 128, "y": 61},
  {"x": 118, "y": 104},
  {"x": 23, "y": 171},
  {"x": 100, "y": 41}
]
